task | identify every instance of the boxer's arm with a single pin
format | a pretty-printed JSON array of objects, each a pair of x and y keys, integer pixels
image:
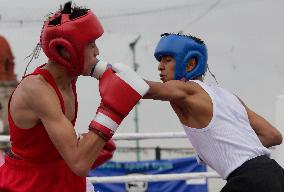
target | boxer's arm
[
  {"x": 169, "y": 91},
  {"x": 267, "y": 133},
  {"x": 105, "y": 154},
  {"x": 78, "y": 154},
  {"x": 173, "y": 90}
]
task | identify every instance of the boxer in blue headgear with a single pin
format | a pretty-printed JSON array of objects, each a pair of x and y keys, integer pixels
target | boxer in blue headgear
[
  {"x": 225, "y": 134},
  {"x": 183, "y": 48}
]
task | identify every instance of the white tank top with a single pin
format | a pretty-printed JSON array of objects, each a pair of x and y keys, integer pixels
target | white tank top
[{"x": 228, "y": 141}]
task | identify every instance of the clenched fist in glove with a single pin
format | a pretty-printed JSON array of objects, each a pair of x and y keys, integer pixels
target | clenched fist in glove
[
  {"x": 105, "y": 154},
  {"x": 120, "y": 88}
]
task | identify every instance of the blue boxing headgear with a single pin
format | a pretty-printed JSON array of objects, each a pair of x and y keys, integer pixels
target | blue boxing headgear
[{"x": 182, "y": 48}]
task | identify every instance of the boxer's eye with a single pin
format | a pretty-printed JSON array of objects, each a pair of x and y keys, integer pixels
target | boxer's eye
[{"x": 93, "y": 44}]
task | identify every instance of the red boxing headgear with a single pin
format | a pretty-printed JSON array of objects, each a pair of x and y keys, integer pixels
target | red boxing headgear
[{"x": 73, "y": 35}]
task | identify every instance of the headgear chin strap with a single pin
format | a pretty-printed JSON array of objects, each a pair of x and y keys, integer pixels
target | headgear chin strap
[
  {"x": 73, "y": 35},
  {"x": 182, "y": 48}
]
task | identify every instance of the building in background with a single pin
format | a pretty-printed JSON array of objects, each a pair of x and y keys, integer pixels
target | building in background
[{"x": 8, "y": 82}]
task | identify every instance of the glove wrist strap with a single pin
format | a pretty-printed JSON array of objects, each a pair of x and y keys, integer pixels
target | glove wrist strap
[{"x": 105, "y": 133}]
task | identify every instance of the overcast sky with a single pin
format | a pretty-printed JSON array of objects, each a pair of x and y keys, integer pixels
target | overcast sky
[{"x": 244, "y": 39}]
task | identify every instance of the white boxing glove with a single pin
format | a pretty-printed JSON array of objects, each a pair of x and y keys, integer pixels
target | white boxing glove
[
  {"x": 100, "y": 67},
  {"x": 124, "y": 72}
]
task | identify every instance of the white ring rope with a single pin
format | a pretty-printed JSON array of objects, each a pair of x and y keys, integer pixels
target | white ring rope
[
  {"x": 130, "y": 136},
  {"x": 4, "y": 138},
  {"x": 158, "y": 177},
  {"x": 140, "y": 136}
]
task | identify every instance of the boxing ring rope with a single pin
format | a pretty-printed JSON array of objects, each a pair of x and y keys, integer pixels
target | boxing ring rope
[
  {"x": 140, "y": 136},
  {"x": 133, "y": 178},
  {"x": 158, "y": 177},
  {"x": 130, "y": 136},
  {"x": 4, "y": 138}
]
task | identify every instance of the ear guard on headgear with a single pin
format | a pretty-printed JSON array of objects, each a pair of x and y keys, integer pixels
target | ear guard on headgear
[
  {"x": 53, "y": 46},
  {"x": 182, "y": 48},
  {"x": 199, "y": 69},
  {"x": 73, "y": 35}
]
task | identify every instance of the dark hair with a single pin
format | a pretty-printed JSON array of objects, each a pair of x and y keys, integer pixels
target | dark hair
[
  {"x": 196, "y": 39},
  {"x": 74, "y": 12}
]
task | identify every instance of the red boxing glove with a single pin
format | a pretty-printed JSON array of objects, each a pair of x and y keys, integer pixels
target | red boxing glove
[
  {"x": 120, "y": 92},
  {"x": 105, "y": 154}
]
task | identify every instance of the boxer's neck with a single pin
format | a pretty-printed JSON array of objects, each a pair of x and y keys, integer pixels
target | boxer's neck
[{"x": 62, "y": 77}]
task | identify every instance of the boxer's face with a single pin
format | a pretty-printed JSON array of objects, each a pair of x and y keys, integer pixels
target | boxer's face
[
  {"x": 167, "y": 68},
  {"x": 91, "y": 52}
]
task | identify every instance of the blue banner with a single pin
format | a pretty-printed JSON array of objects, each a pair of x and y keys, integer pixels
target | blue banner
[{"x": 183, "y": 165}]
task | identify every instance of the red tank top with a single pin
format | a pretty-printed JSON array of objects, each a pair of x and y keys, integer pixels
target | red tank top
[{"x": 34, "y": 144}]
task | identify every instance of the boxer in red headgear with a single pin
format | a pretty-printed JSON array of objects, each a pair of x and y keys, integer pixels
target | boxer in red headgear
[
  {"x": 45, "y": 153},
  {"x": 71, "y": 34}
]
